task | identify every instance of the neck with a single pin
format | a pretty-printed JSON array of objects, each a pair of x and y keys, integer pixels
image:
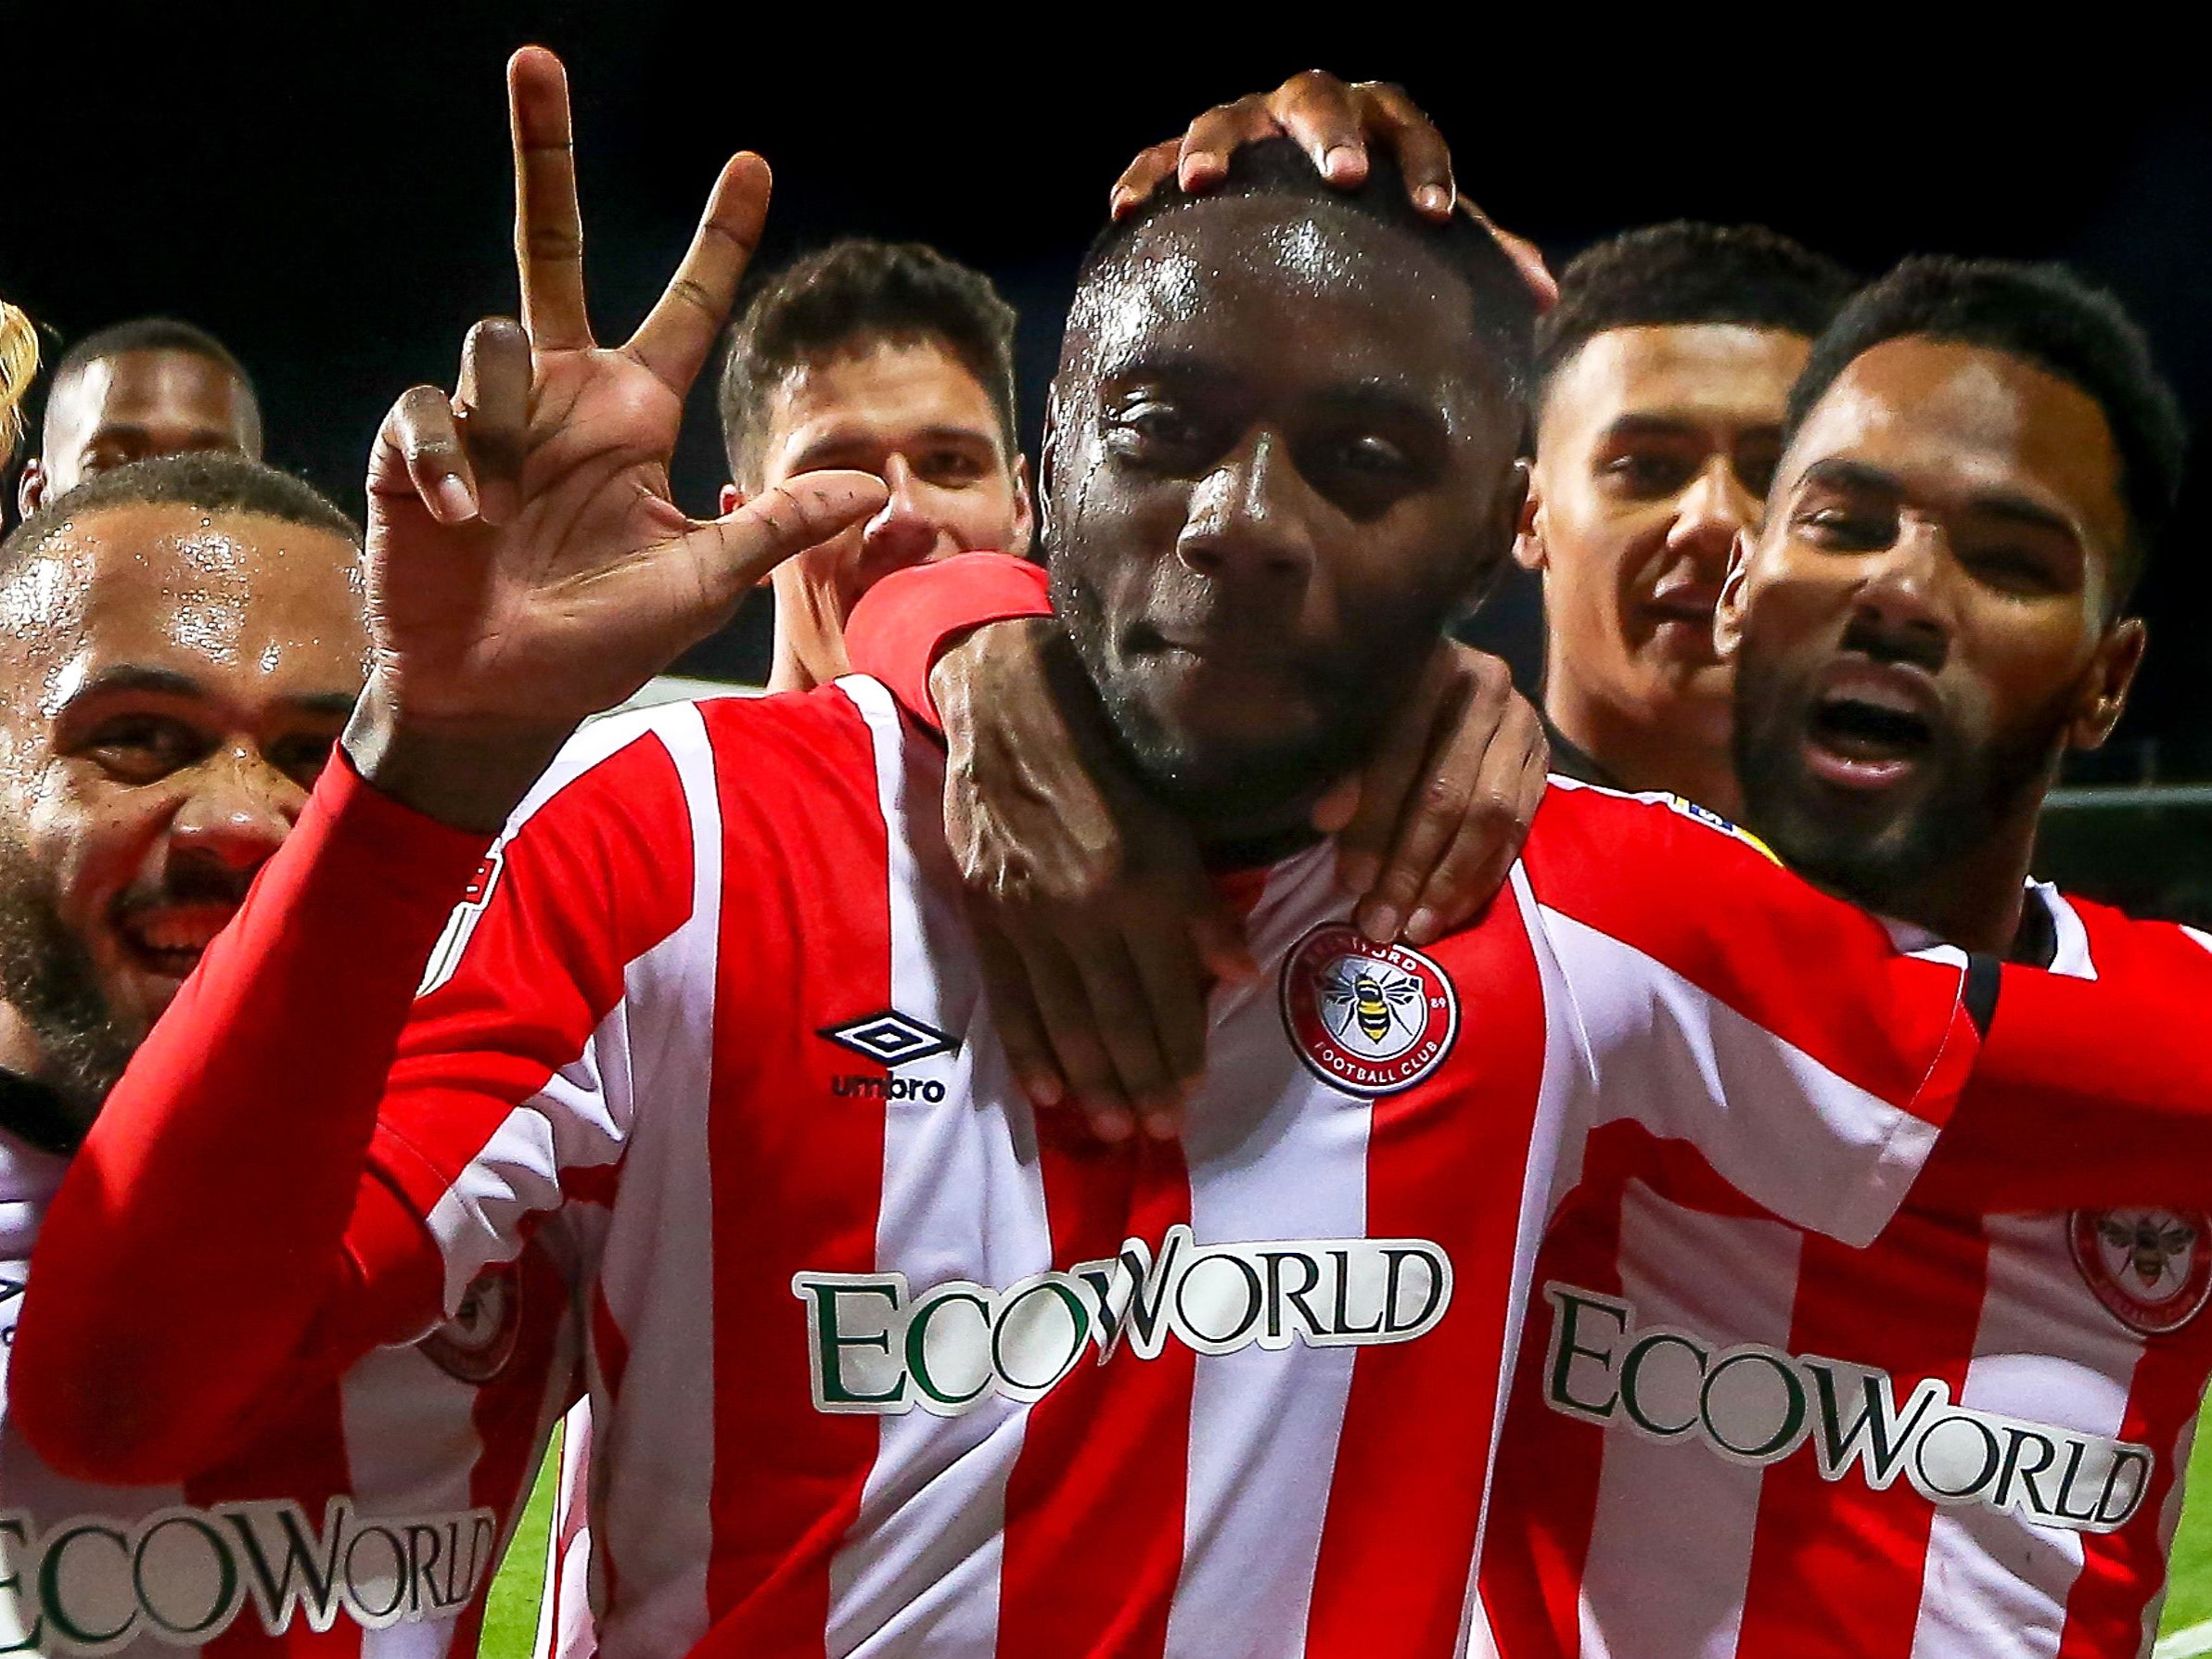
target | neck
[
  {"x": 1681, "y": 749},
  {"x": 1972, "y": 901},
  {"x": 786, "y": 671}
]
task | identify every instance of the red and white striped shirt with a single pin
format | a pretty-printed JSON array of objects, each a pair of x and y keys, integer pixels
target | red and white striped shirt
[
  {"x": 363, "y": 1522},
  {"x": 880, "y": 1363},
  {"x": 1731, "y": 1439}
]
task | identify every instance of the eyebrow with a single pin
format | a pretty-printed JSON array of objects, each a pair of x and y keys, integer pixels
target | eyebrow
[
  {"x": 831, "y": 443},
  {"x": 1649, "y": 424},
  {"x": 167, "y": 683},
  {"x": 1996, "y": 503}
]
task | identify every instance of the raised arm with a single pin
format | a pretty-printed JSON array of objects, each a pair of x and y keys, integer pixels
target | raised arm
[{"x": 525, "y": 568}]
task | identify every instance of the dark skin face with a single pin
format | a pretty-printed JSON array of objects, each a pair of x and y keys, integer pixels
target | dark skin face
[
  {"x": 1255, "y": 548},
  {"x": 1925, "y": 627},
  {"x": 133, "y": 405},
  {"x": 170, "y": 687}
]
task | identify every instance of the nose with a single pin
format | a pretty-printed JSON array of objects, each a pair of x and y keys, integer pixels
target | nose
[
  {"x": 1901, "y": 592},
  {"x": 237, "y": 812},
  {"x": 1247, "y": 518},
  {"x": 902, "y": 532},
  {"x": 1711, "y": 514}
]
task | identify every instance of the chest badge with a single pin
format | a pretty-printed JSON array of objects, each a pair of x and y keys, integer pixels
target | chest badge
[
  {"x": 475, "y": 1344},
  {"x": 1371, "y": 1019},
  {"x": 2151, "y": 1268}
]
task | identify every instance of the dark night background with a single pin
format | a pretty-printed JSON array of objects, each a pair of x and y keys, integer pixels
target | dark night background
[{"x": 333, "y": 199}]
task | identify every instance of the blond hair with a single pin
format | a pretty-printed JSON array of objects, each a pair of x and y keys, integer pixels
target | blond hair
[{"x": 19, "y": 362}]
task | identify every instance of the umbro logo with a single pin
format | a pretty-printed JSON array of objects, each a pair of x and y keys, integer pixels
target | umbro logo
[{"x": 890, "y": 1038}]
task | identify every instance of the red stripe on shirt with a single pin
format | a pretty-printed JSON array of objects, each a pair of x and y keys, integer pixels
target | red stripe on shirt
[
  {"x": 2123, "y": 1572},
  {"x": 1095, "y": 1504},
  {"x": 797, "y": 1172},
  {"x": 1380, "y": 1591},
  {"x": 1544, "y": 1493},
  {"x": 1837, "y": 1566},
  {"x": 300, "y": 1454}
]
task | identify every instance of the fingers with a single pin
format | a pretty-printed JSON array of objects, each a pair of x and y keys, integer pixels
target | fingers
[
  {"x": 1508, "y": 788},
  {"x": 1142, "y": 176},
  {"x": 1383, "y": 785},
  {"x": 730, "y": 554},
  {"x": 491, "y": 403},
  {"x": 1324, "y": 116},
  {"x": 1394, "y": 121},
  {"x": 1063, "y": 1005},
  {"x": 675, "y": 338},
  {"x": 1116, "y": 992},
  {"x": 1526, "y": 257},
  {"x": 1214, "y": 136},
  {"x": 548, "y": 227},
  {"x": 420, "y": 453},
  {"x": 1432, "y": 811},
  {"x": 1015, "y": 1013}
]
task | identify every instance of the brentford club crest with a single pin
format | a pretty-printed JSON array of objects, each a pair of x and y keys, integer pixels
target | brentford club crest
[
  {"x": 475, "y": 1344},
  {"x": 2151, "y": 1268},
  {"x": 1370, "y": 1018}
]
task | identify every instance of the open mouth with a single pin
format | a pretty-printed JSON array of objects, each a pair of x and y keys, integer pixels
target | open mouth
[
  {"x": 1867, "y": 738},
  {"x": 170, "y": 939}
]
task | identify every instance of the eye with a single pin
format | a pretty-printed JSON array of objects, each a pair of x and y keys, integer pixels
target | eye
[
  {"x": 138, "y": 748},
  {"x": 303, "y": 755},
  {"x": 2017, "y": 570},
  {"x": 1646, "y": 474},
  {"x": 1844, "y": 529},
  {"x": 948, "y": 468},
  {"x": 1756, "y": 472},
  {"x": 1150, "y": 431}
]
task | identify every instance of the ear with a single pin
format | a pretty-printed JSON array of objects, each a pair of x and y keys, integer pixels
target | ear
[
  {"x": 1528, "y": 534},
  {"x": 30, "y": 489},
  {"x": 1024, "y": 509},
  {"x": 1728, "y": 619},
  {"x": 2104, "y": 688},
  {"x": 1048, "y": 451}
]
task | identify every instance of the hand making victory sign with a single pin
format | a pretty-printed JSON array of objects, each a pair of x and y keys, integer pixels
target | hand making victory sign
[{"x": 526, "y": 566}]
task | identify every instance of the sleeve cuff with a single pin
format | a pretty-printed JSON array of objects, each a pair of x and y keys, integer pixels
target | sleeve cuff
[{"x": 908, "y": 619}]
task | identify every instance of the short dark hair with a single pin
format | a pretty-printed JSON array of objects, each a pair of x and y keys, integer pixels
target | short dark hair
[
  {"x": 212, "y": 480},
  {"x": 1504, "y": 306},
  {"x": 1686, "y": 273},
  {"x": 150, "y": 333},
  {"x": 154, "y": 334},
  {"x": 2045, "y": 315},
  {"x": 849, "y": 295}
]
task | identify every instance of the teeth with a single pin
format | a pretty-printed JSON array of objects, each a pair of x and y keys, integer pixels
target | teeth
[{"x": 176, "y": 932}]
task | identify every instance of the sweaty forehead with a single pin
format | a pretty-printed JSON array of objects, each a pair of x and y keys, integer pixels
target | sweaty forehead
[
  {"x": 1954, "y": 418},
  {"x": 1242, "y": 279},
  {"x": 161, "y": 584}
]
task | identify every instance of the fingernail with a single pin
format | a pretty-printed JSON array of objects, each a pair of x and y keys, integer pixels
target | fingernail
[
  {"x": 1042, "y": 1089},
  {"x": 1421, "y": 927},
  {"x": 1433, "y": 199},
  {"x": 1379, "y": 923},
  {"x": 1340, "y": 160},
  {"x": 1111, "y": 1124},
  {"x": 450, "y": 499},
  {"x": 1160, "y": 1126},
  {"x": 1119, "y": 204},
  {"x": 1200, "y": 162}
]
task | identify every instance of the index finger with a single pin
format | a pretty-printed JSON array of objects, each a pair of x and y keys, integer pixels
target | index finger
[
  {"x": 549, "y": 226},
  {"x": 675, "y": 338}
]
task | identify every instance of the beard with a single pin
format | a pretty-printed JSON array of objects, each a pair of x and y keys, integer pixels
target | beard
[
  {"x": 1254, "y": 785},
  {"x": 47, "y": 976},
  {"x": 1881, "y": 850}
]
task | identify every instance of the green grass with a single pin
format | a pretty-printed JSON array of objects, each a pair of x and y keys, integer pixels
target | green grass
[
  {"x": 511, "y": 1616},
  {"x": 511, "y": 1622}
]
